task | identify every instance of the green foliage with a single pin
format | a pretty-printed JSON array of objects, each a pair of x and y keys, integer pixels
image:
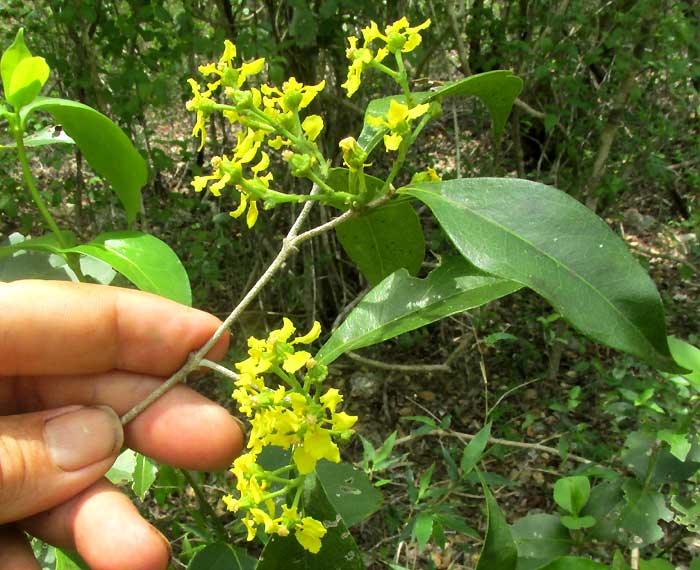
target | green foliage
[
  {"x": 499, "y": 549},
  {"x": 384, "y": 240},
  {"x": 338, "y": 550},
  {"x": 143, "y": 259},
  {"x": 217, "y": 556},
  {"x": 540, "y": 539},
  {"x": 403, "y": 303},
  {"x": 523, "y": 231},
  {"x": 105, "y": 146}
]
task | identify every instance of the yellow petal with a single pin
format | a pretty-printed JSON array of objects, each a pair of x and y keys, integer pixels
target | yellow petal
[
  {"x": 312, "y": 126},
  {"x": 252, "y": 215},
  {"x": 310, "y": 336},
  {"x": 296, "y": 361},
  {"x": 392, "y": 141},
  {"x": 304, "y": 461},
  {"x": 238, "y": 212}
]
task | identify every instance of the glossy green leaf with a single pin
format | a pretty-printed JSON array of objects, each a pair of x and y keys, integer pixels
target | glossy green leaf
[
  {"x": 474, "y": 450},
  {"x": 28, "y": 77},
  {"x": 11, "y": 57},
  {"x": 403, "y": 303},
  {"x": 338, "y": 549},
  {"x": 638, "y": 450},
  {"x": 497, "y": 89},
  {"x": 349, "y": 491},
  {"x": 123, "y": 469},
  {"x": 69, "y": 561},
  {"x": 499, "y": 550},
  {"x": 383, "y": 240},
  {"x": 695, "y": 564},
  {"x": 219, "y": 556},
  {"x": 539, "y": 539},
  {"x": 687, "y": 356},
  {"x": 577, "y": 523},
  {"x": 548, "y": 241},
  {"x": 145, "y": 472},
  {"x": 47, "y": 243},
  {"x": 143, "y": 259},
  {"x": 574, "y": 563},
  {"x": 571, "y": 493},
  {"x": 641, "y": 513},
  {"x": 619, "y": 562},
  {"x": 423, "y": 529},
  {"x": 105, "y": 146},
  {"x": 679, "y": 443},
  {"x": 46, "y": 136}
]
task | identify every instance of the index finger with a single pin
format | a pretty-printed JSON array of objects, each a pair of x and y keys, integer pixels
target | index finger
[{"x": 52, "y": 327}]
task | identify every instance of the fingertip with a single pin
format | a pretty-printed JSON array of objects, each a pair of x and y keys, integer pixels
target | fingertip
[{"x": 110, "y": 534}]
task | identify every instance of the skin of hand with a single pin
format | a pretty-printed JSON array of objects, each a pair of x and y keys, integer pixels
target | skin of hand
[{"x": 73, "y": 357}]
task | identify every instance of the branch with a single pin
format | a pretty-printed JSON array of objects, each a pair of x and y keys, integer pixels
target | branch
[
  {"x": 520, "y": 104},
  {"x": 290, "y": 245},
  {"x": 411, "y": 368},
  {"x": 496, "y": 441}
]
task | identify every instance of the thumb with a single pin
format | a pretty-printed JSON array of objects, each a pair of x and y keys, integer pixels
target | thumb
[{"x": 48, "y": 457}]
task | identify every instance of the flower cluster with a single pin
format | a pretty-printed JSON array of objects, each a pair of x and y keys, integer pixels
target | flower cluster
[
  {"x": 292, "y": 415},
  {"x": 398, "y": 120},
  {"x": 398, "y": 38},
  {"x": 267, "y": 116}
]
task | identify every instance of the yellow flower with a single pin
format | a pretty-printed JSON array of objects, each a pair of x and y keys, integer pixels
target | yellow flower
[
  {"x": 401, "y": 36},
  {"x": 293, "y": 96},
  {"x": 309, "y": 533},
  {"x": 312, "y": 127},
  {"x": 296, "y": 361},
  {"x": 331, "y": 399},
  {"x": 343, "y": 422},
  {"x": 398, "y": 120},
  {"x": 204, "y": 106}
]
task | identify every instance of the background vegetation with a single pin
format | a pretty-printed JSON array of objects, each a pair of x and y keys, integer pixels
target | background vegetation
[{"x": 609, "y": 113}]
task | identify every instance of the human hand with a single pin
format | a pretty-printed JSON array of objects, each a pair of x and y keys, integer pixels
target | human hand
[{"x": 72, "y": 358}]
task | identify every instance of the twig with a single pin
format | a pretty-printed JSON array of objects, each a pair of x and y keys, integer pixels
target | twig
[
  {"x": 682, "y": 261},
  {"x": 290, "y": 245},
  {"x": 634, "y": 559},
  {"x": 411, "y": 368},
  {"x": 520, "y": 104},
  {"x": 495, "y": 441},
  {"x": 513, "y": 389},
  {"x": 220, "y": 369}
]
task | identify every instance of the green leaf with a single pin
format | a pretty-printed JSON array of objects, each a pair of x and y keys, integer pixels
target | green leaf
[
  {"x": 687, "y": 356},
  {"x": 605, "y": 505},
  {"x": 46, "y": 136},
  {"x": 105, "y": 146},
  {"x": 571, "y": 493},
  {"x": 548, "y": 241},
  {"x": 402, "y": 303},
  {"x": 655, "y": 564},
  {"x": 642, "y": 511},
  {"x": 638, "y": 450},
  {"x": 475, "y": 449},
  {"x": 349, "y": 491},
  {"x": 143, "y": 259},
  {"x": 497, "y": 89},
  {"x": 11, "y": 57},
  {"x": 69, "y": 561},
  {"x": 28, "y": 77},
  {"x": 680, "y": 445},
  {"x": 577, "y": 523},
  {"x": 423, "y": 529},
  {"x": 695, "y": 564},
  {"x": 574, "y": 563},
  {"x": 145, "y": 473},
  {"x": 539, "y": 539},
  {"x": 338, "y": 550},
  {"x": 339, "y": 180},
  {"x": 123, "y": 469},
  {"x": 499, "y": 550},
  {"x": 47, "y": 243},
  {"x": 619, "y": 562},
  {"x": 219, "y": 556},
  {"x": 385, "y": 239}
]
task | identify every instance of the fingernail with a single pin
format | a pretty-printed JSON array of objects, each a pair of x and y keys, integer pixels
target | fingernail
[{"x": 82, "y": 437}]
